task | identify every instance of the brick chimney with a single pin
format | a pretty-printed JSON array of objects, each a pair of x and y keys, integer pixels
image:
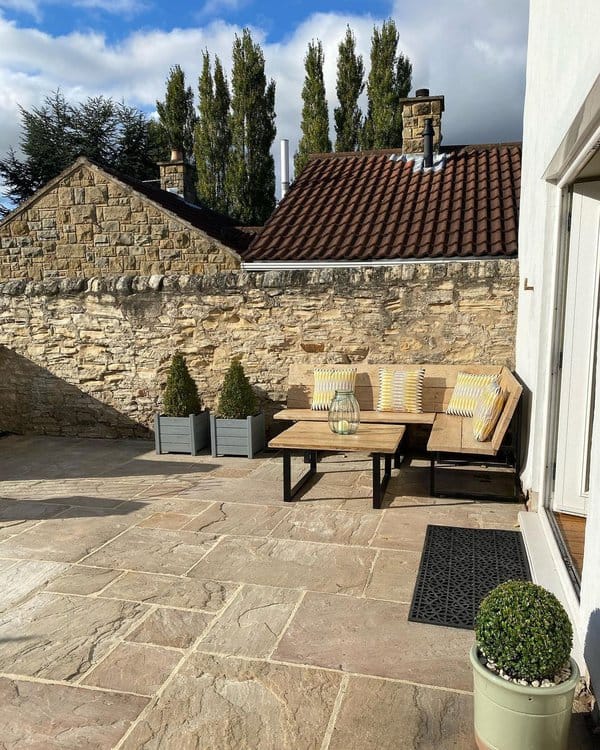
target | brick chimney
[
  {"x": 415, "y": 110},
  {"x": 177, "y": 176}
]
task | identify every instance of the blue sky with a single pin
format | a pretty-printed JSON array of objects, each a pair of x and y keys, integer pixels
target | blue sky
[{"x": 473, "y": 53}]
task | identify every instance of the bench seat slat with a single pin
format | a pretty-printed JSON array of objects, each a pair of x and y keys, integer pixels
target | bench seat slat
[{"x": 371, "y": 417}]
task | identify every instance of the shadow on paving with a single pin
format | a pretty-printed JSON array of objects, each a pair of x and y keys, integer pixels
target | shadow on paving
[
  {"x": 31, "y": 457},
  {"x": 14, "y": 511}
]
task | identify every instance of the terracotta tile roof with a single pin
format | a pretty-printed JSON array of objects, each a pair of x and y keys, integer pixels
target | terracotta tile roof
[{"x": 378, "y": 206}]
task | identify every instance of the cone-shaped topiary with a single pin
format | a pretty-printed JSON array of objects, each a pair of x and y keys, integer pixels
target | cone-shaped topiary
[
  {"x": 237, "y": 400},
  {"x": 524, "y": 630},
  {"x": 181, "y": 393}
]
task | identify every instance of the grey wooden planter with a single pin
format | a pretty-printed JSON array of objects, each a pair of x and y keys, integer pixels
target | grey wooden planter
[
  {"x": 237, "y": 437},
  {"x": 181, "y": 434}
]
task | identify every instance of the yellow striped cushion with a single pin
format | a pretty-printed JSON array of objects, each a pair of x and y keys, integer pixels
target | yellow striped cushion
[
  {"x": 487, "y": 411},
  {"x": 328, "y": 380},
  {"x": 467, "y": 391},
  {"x": 400, "y": 390}
]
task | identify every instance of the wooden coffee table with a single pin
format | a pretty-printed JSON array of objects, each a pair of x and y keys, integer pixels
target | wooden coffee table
[{"x": 311, "y": 437}]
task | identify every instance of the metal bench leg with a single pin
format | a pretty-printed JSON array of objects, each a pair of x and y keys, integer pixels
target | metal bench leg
[
  {"x": 288, "y": 491},
  {"x": 432, "y": 476}
]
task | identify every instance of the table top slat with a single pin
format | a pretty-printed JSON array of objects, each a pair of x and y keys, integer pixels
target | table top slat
[{"x": 370, "y": 438}]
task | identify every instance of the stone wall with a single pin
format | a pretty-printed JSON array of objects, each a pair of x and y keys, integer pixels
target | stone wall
[
  {"x": 89, "y": 358},
  {"x": 88, "y": 224}
]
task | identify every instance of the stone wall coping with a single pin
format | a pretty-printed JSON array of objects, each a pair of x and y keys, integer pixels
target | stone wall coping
[{"x": 235, "y": 282}]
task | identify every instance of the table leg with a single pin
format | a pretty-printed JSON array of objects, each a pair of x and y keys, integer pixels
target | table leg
[
  {"x": 288, "y": 491},
  {"x": 379, "y": 482}
]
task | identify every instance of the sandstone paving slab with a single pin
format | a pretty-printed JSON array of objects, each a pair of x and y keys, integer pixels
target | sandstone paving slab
[
  {"x": 61, "y": 637},
  {"x": 229, "y": 703},
  {"x": 166, "y": 520},
  {"x": 404, "y": 528},
  {"x": 82, "y": 580},
  {"x": 288, "y": 563},
  {"x": 384, "y": 715},
  {"x": 373, "y": 637},
  {"x": 19, "y": 582},
  {"x": 253, "y": 622},
  {"x": 17, "y": 516},
  {"x": 318, "y": 525},
  {"x": 134, "y": 668},
  {"x": 65, "y": 539},
  {"x": 170, "y": 591},
  {"x": 174, "y": 504},
  {"x": 43, "y": 716},
  {"x": 238, "y": 518},
  {"x": 394, "y": 575},
  {"x": 153, "y": 550},
  {"x": 175, "y": 628},
  {"x": 223, "y": 490}
]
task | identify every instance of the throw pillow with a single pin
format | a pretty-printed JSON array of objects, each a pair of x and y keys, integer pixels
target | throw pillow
[
  {"x": 328, "y": 380},
  {"x": 400, "y": 390},
  {"x": 487, "y": 411},
  {"x": 467, "y": 391}
]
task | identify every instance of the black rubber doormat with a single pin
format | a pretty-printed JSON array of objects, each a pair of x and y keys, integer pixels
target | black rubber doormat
[{"x": 459, "y": 567}]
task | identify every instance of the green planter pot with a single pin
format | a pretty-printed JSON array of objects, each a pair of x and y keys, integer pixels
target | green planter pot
[{"x": 515, "y": 717}]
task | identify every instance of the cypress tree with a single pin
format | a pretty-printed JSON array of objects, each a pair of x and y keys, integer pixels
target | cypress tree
[
  {"x": 213, "y": 136},
  {"x": 251, "y": 169},
  {"x": 389, "y": 81},
  {"x": 350, "y": 85},
  {"x": 315, "y": 116},
  {"x": 176, "y": 113}
]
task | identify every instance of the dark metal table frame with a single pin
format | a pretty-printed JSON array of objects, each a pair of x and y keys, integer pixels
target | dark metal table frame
[{"x": 379, "y": 483}]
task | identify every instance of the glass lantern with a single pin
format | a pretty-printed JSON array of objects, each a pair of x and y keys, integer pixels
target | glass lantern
[{"x": 344, "y": 413}]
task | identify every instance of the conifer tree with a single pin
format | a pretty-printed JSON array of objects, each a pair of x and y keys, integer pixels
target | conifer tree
[
  {"x": 213, "y": 136},
  {"x": 350, "y": 85},
  {"x": 251, "y": 169},
  {"x": 389, "y": 81},
  {"x": 315, "y": 116},
  {"x": 176, "y": 113},
  {"x": 54, "y": 134}
]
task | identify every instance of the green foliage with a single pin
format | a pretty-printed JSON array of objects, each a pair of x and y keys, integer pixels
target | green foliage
[
  {"x": 349, "y": 87},
  {"x": 56, "y": 133},
  {"x": 176, "y": 113},
  {"x": 524, "y": 630},
  {"x": 251, "y": 169},
  {"x": 213, "y": 136},
  {"x": 237, "y": 400},
  {"x": 389, "y": 81},
  {"x": 315, "y": 116},
  {"x": 181, "y": 397}
]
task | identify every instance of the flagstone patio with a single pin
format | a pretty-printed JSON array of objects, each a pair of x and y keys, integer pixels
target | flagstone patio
[{"x": 175, "y": 602}]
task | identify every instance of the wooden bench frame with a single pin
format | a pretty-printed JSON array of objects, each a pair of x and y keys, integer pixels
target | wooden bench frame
[{"x": 451, "y": 440}]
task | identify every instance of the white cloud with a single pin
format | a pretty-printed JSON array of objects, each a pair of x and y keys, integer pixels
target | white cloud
[
  {"x": 214, "y": 7},
  {"x": 475, "y": 56},
  {"x": 34, "y": 7}
]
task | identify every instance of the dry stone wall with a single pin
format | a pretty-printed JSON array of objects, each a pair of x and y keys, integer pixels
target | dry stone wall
[
  {"x": 88, "y": 224},
  {"x": 89, "y": 357}
]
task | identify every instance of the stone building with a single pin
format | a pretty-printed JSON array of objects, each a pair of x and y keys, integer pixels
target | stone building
[
  {"x": 90, "y": 221},
  {"x": 369, "y": 257}
]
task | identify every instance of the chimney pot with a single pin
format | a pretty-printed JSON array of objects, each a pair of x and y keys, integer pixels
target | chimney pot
[{"x": 422, "y": 92}]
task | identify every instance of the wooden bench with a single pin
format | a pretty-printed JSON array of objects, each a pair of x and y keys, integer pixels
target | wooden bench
[{"x": 451, "y": 438}]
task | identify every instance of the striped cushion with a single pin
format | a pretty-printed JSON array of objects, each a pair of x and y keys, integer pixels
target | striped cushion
[
  {"x": 487, "y": 411},
  {"x": 328, "y": 380},
  {"x": 400, "y": 390},
  {"x": 467, "y": 391}
]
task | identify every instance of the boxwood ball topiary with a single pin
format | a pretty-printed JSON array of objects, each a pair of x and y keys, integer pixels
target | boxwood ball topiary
[
  {"x": 524, "y": 630},
  {"x": 181, "y": 397},
  {"x": 237, "y": 400}
]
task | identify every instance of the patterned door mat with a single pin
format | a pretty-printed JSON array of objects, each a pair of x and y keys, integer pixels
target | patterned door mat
[{"x": 459, "y": 567}]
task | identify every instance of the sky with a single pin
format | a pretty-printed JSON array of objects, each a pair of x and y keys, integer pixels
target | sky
[{"x": 472, "y": 52}]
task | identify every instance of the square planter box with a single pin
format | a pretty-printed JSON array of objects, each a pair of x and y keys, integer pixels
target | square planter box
[
  {"x": 237, "y": 437},
  {"x": 181, "y": 434}
]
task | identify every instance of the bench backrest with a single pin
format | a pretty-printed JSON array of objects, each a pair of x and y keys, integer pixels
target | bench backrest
[{"x": 438, "y": 385}]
